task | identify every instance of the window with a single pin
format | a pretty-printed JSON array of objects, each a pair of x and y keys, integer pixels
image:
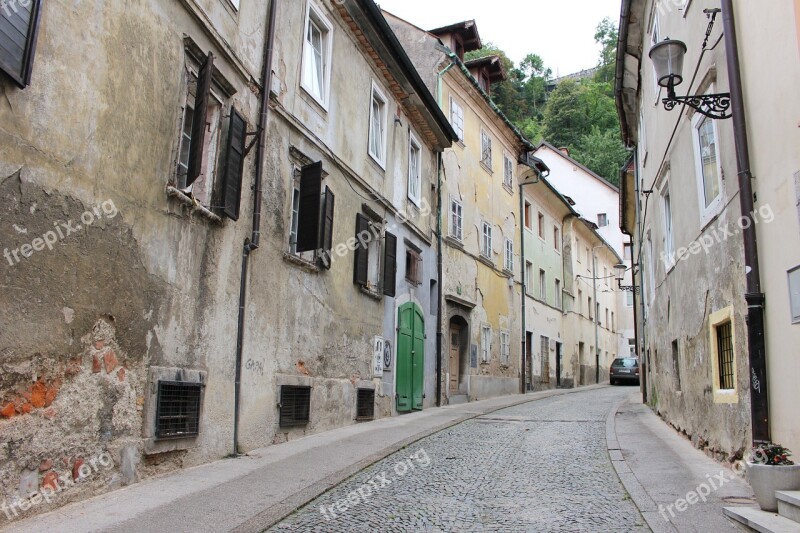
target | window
[
  {"x": 723, "y": 356},
  {"x": 632, "y": 347},
  {"x": 542, "y": 285},
  {"x": 591, "y": 317},
  {"x": 541, "y": 226},
  {"x": 235, "y": 4},
  {"x": 295, "y": 406},
  {"x": 486, "y": 343},
  {"x": 486, "y": 246},
  {"x": 457, "y": 118},
  {"x": 295, "y": 220},
  {"x": 505, "y": 348},
  {"x": 707, "y": 165},
  {"x": 794, "y": 294},
  {"x": 315, "y": 207},
  {"x": 628, "y": 251},
  {"x": 676, "y": 365},
  {"x": 178, "y": 409},
  {"x": 580, "y": 301},
  {"x": 456, "y": 219},
  {"x": 486, "y": 150},
  {"x": 602, "y": 220},
  {"x": 556, "y": 239},
  {"x": 558, "y": 293},
  {"x": 527, "y": 214},
  {"x": 367, "y": 257},
  {"x": 509, "y": 256},
  {"x": 414, "y": 170},
  {"x": 19, "y": 28},
  {"x": 666, "y": 204},
  {"x": 377, "y": 125},
  {"x": 629, "y": 298},
  {"x": 613, "y": 323},
  {"x": 606, "y": 322},
  {"x": 508, "y": 171},
  {"x": 578, "y": 248},
  {"x": 201, "y": 140},
  {"x": 413, "y": 267},
  {"x": 529, "y": 277},
  {"x": 365, "y": 404},
  {"x": 316, "y": 55}
]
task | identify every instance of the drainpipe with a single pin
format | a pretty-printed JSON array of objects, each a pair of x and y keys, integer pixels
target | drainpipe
[
  {"x": 638, "y": 315},
  {"x": 596, "y": 318},
  {"x": 524, "y": 340},
  {"x": 439, "y": 261},
  {"x": 759, "y": 399},
  {"x": 251, "y": 243}
]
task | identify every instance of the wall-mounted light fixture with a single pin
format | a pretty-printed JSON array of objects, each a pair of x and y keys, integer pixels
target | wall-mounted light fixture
[{"x": 621, "y": 269}]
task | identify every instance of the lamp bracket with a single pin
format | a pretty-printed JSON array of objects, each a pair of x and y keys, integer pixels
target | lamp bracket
[{"x": 716, "y": 106}]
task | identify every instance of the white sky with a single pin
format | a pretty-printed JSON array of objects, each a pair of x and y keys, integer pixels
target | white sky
[{"x": 561, "y": 31}]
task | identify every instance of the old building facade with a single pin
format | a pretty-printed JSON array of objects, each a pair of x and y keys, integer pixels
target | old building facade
[{"x": 683, "y": 204}]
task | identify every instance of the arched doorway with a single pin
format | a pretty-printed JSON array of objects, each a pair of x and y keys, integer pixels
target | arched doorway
[
  {"x": 458, "y": 354},
  {"x": 410, "y": 357}
]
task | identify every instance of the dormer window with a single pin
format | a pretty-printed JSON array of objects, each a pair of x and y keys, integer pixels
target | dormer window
[{"x": 459, "y": 48}]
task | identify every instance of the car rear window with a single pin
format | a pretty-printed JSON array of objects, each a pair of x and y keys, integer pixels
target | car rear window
[{"x": 627, "y": 362}]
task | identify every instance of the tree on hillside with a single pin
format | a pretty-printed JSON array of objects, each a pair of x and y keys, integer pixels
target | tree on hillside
[
  {"x": 606, "y": 36},
  {"x": 603, "y": 153}
]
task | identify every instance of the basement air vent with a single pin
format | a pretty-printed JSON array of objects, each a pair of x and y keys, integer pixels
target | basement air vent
[
  {"x": 365, "y": 404},
  {"x": 295, "y": 405},
  {"x": 178, "y": 409}
]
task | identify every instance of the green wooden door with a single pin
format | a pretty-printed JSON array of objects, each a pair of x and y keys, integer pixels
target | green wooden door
[{"x": 410, "y": 358}]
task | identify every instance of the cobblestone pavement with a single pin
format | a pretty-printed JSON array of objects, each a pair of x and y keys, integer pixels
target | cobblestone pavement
[{"x": 540, "y": 466}]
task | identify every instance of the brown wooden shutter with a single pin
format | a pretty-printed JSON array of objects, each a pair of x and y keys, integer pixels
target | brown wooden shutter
[
  {"x": 234, "y": 165},
  {"x": 360, "y": 268},
  {"x": 199, "y": 126},
  {"x": 19, "y": 28},
  {"x": 327, "y": 229},
  {"x": 308, "y": 213},
  {"x": 390, "y": 265}
]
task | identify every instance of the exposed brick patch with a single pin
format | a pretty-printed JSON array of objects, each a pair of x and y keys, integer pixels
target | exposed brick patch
[
  {"x": 121, "y": 374},
  {"x": 110, "y": 361},
  {"x": 50, "y": 479},
  {"x": 46, "y": 465},
  {"x": 98, "y": 345},
  {"x": 8, "y": 411},
  {"x": 38, "y": 394},
  {"x": 76, "y": 468},
  {"x": 96, "y": 366}
]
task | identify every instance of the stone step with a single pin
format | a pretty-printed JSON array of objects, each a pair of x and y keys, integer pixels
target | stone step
[
  {"x": 457, "y": 399},
  {"x": 789, "y": 504},
  {"x": 761, "y": 521}
]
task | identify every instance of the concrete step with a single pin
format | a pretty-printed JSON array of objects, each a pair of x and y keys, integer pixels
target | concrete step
[
  {"x": 761, "y": 521},
  {"x": 457, "y": 399},
  {"x": 789, "y": 504}
]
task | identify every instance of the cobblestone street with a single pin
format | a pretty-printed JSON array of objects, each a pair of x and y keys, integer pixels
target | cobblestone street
[{"x": 539, "y": 466}]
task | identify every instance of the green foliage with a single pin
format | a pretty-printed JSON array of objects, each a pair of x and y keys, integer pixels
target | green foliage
[
  {"x": 606, "y": 36},
  {"x": 602, "y": 151}
]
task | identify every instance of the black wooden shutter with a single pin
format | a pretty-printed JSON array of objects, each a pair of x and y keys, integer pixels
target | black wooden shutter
[
  {"x": 234, "y": 165},
  {"x": 308, "y": 213},
  {"x": 327, "y": 229},
  {"x": 202, "y": 94},
  {"x": 390, "y": 265},
  {"x": 362, "y": 251},
  {"x": 19, "y": 27}
]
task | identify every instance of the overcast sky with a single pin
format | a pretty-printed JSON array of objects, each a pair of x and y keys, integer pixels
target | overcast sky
[{"x": 561, "y": 31}]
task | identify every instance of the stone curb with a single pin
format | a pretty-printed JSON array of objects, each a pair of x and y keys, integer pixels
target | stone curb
[
  {"x": 641, "y": 499},
  {"x": 270, "y": 517}
]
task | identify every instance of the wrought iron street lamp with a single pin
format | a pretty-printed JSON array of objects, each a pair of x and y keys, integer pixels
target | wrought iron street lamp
[
  {"x": 621, "y": 269},
  {"x": 667, "y": 59}
]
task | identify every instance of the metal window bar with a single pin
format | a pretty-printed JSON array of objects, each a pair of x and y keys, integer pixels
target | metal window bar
[
  {"x": 295, "y": 405},
  {"x": 178, "y": 409},
  {"x": 725, "y": 355},
  {"x": 365, "y": 404}
]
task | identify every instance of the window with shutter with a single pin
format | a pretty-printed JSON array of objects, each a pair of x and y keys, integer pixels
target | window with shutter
[
  {"x": 309, "y": 211},
  {"x": 234, "y": 165},
  {"x": 390, "y": 266},
  {"x": 361, "y": 256},
  {"x": 327, "y": 229},
  {"x": 199, "y": 120},
  {"x": 19, "y": 28}
]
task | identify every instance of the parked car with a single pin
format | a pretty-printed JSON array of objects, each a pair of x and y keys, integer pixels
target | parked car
[{"x": 624, "y": 370}]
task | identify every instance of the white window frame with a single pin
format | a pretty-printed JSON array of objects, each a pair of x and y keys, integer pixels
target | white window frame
[
  {"x": 527, "y": 216},
  {"x": 486, "y": 240},
  {"x": 707, "y": 213},
  {"x": 558, "y": 292},
  {"x": 669, "y": 229},
  {"x": 235, "y": 4},
  {"x": 542, "y": 285},
  {"x": 508, "y": 172},
  {"x": 529, "y": 277},
  {"x": 557, "y": 239},
  {"x": 457, "y": 216},
  {"x": 486, "y": 343},
  {"x": 414, "y": 162},
  {"x": 715, "y": 320},
  {"x": 486, "y": 139},
  {"x": 457, "y": 118},
  {"x": 505, "y": 347},
  {"x": 315, "y": 14},
  {"x": 604, "y": 220},
  {"x": 377, "y": 94},
  {"x": 793, "y": 277},
  {"x": 509, "y": 255}
]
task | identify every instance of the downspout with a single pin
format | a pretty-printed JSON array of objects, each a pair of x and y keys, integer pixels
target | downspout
[
  {"x": 439, "y": 261},
  {"x": 638, "y": 301},
  {"x": 759, "y": 399},
  {"x": 524, "y": 340},
  {"x": 252, "y": 242},
  {"x": 596, "y": 318}
]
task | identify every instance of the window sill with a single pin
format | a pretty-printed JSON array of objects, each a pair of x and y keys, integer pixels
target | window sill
[
  {"x": 194, "y": 207},
  {"x": 508, "y": 189},
  {"x": 507, "y": 273},
  {"x": 301, "y": 263},
  {"x": 455, "y": 243},
  {"x": 371, "y": 293},
  {"x": 487, "y": 168},
  {"x": 486, "y": 261},
  {"x": 313, "y": 100}
]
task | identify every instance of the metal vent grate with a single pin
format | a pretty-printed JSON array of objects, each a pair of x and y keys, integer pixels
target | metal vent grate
[
  {"x": 178, "y": 409},
  {"x": 295, "y": 405},
  {"x": 365, "y": 404}
]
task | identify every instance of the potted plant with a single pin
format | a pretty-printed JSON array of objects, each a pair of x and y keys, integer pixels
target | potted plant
[{"x": 769, "y": 469}]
